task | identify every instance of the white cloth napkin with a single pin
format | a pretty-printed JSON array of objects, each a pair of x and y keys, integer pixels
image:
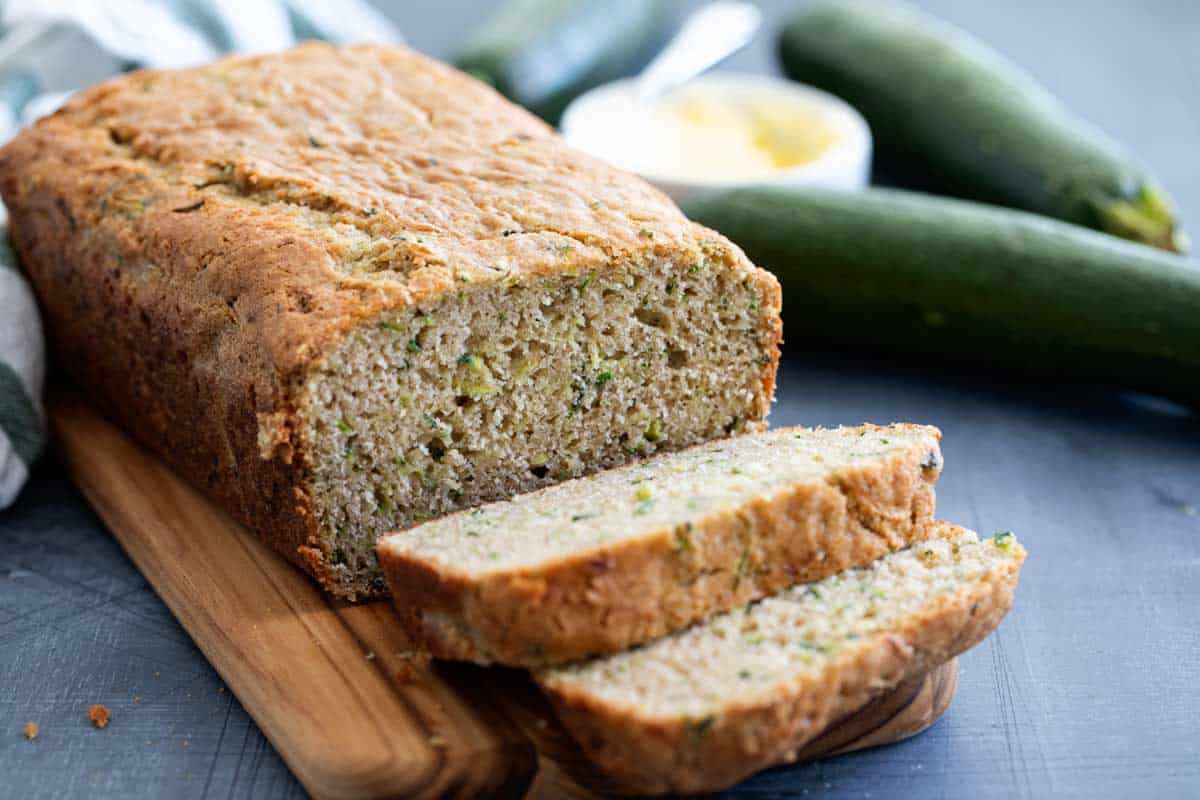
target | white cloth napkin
[{"x": 50, "y": 48}]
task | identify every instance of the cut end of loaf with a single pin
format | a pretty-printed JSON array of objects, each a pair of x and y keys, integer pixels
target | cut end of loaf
[{"x": 506, "y": 387}]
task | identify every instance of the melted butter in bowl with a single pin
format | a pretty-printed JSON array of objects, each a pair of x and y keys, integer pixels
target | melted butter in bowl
[{"x": 724, "y": 129}]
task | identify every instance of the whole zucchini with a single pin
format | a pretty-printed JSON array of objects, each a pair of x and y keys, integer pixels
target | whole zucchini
[
  {"x": 943, "y": 104},
  {"x": 918, "y": 274},
  {"x": 542, "y": 54}
]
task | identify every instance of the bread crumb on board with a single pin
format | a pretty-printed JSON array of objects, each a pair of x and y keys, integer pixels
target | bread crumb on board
[
  {"x": 411, "y": 664},
  {"x": 30, "y": 730},
  {"x": 98, "y": 714}
]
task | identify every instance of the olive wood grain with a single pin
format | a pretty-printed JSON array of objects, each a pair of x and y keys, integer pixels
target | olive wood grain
[{"x": 334, "y": 685}]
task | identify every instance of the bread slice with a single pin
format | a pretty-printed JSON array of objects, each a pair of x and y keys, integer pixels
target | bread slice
[
  {"x": 702, "y": 709},
  {"x": 601, "y": 563},
  {"x": 345, "y": 290}
]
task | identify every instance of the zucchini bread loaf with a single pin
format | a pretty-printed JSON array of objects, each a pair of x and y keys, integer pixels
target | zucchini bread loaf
[{"x": 343, "y": 290}]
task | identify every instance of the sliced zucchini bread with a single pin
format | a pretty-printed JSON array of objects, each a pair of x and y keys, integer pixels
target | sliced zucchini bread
[
  {"x": 700, "y": 710},
  {"x": 598, "y": 564}
]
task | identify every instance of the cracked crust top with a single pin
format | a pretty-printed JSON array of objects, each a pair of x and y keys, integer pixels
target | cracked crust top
[{"x": 339, "y": 182}]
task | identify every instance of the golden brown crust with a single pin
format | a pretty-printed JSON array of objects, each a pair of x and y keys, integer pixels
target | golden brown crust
[
  {"x": 650, "y": 756},
  {"x": 200, "y": 239},
  {"x": 614, "y": 597}
]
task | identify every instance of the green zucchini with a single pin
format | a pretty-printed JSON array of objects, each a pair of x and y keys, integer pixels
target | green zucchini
[
  {"x": 542, "y": 54},
  {"x": 943, "y": 105},
  {"x": 919, "y": 274}
]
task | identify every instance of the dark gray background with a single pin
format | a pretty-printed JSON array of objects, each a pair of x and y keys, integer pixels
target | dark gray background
[{"x": 1090, "y": 688}]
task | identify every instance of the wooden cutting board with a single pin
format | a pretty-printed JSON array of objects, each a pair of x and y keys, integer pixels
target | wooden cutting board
[{"x": 333, "y": 684}]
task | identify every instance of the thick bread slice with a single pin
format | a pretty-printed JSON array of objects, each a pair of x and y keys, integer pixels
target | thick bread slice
[
  {"x": 598, "y": 564},
  {"x": 700, "y": 710}
]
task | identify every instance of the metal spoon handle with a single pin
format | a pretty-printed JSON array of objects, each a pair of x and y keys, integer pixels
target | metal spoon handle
[{"x": 709, "y": 36}]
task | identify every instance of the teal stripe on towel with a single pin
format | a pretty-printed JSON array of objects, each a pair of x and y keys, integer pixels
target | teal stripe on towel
[
  {"x": 18, "y": 419},
  {"x": 7, "y": 257}
]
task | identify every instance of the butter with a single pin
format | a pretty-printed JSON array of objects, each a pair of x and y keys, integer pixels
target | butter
[
  {"x": 701, "y": 134},
  {"x": 722, "y": 130}
]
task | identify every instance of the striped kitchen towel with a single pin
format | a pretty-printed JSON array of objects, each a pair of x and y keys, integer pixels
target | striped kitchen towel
[
  {"x": 22, "y": 369},
  {"x": 50, "y": 48}
]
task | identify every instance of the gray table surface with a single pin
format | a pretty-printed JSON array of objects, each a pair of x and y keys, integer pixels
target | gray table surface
[{"x": 1090, "y": 688}]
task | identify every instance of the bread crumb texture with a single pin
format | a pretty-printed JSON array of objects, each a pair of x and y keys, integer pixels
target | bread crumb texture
[
  {"x": 98, "y": 714},
  {"x": 345, "y": 290},
  {"x": 508, "y": 389}
]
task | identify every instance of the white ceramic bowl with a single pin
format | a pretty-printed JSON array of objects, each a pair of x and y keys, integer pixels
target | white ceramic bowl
[{"x": 604, "y": 122}]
